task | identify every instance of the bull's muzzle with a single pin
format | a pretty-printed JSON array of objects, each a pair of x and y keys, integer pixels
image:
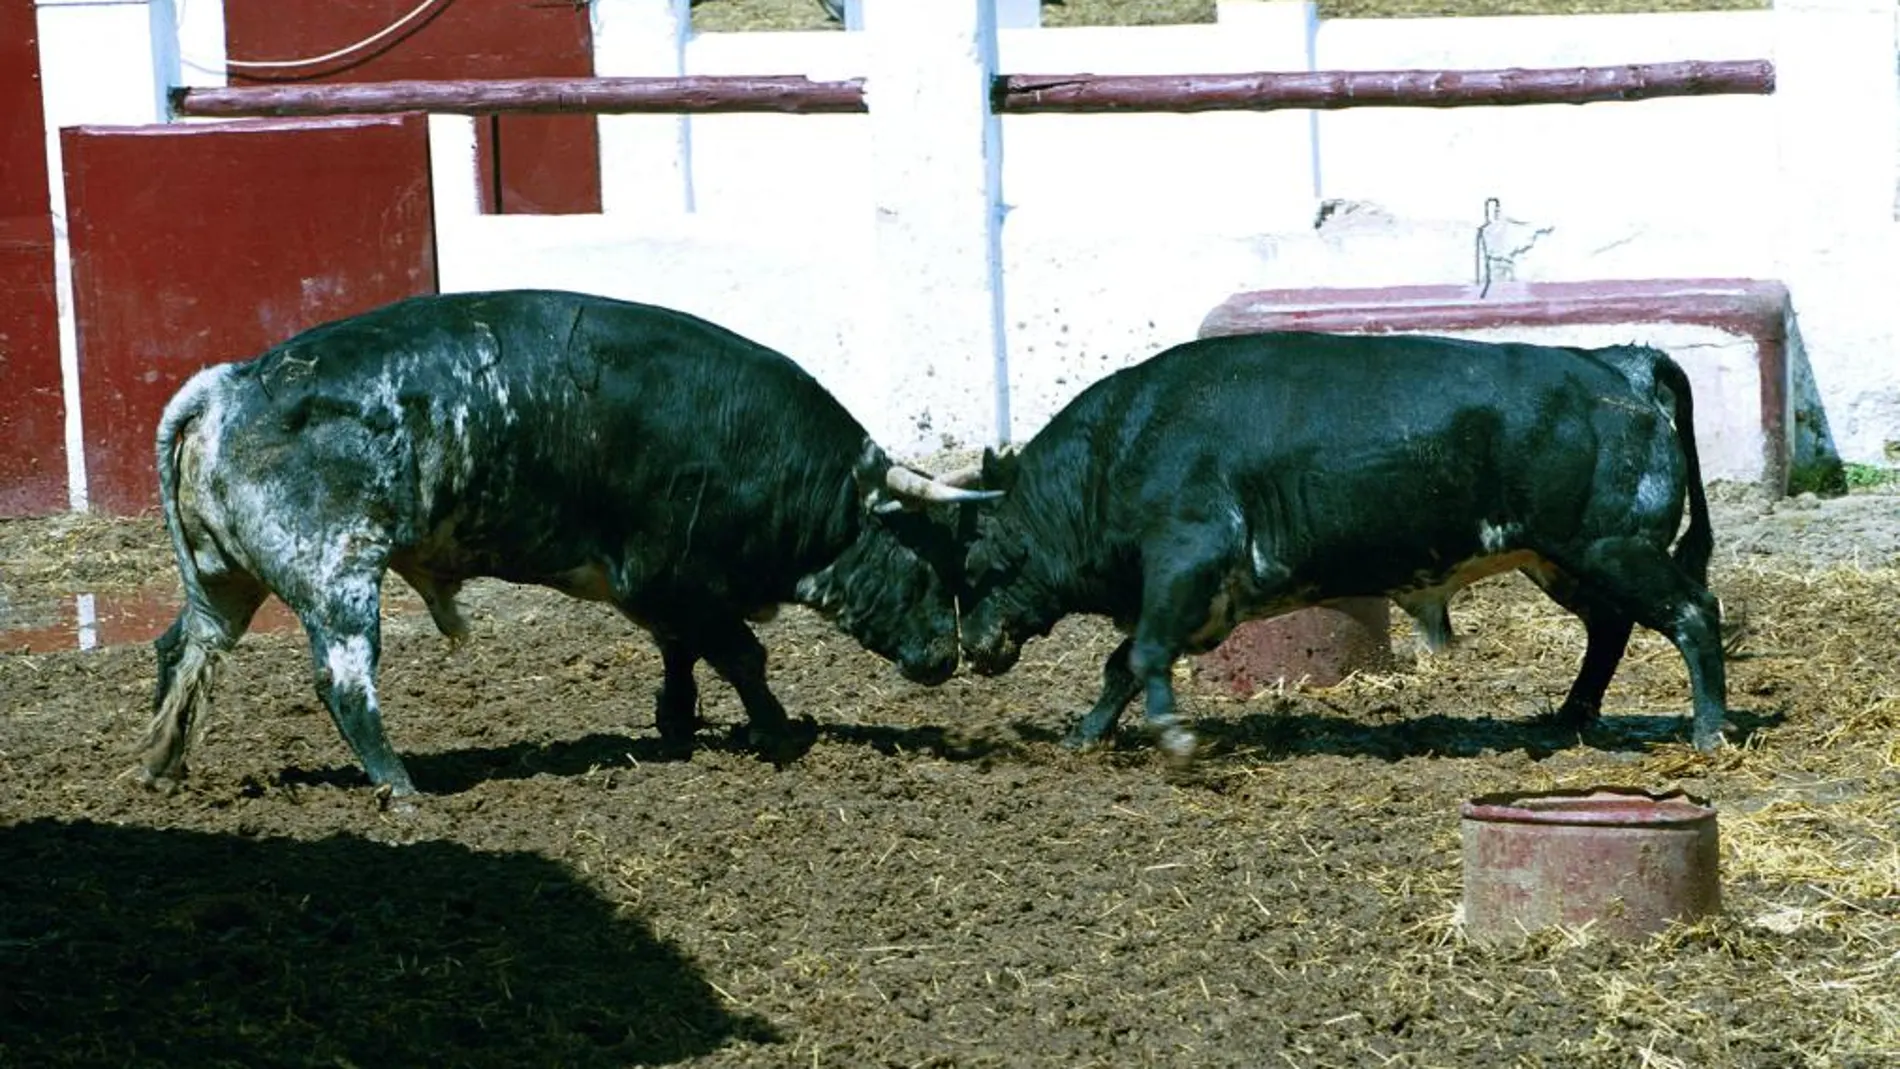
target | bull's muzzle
[
  {"x": 935, "y": 666},
  {"x": 993, "y": 658}
]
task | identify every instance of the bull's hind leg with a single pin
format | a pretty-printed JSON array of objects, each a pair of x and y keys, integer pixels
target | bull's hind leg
[
  {"x": 1642, "y": 581},
  {"x": 211, "y": 622},
  {"x": 1607, "y": 634},
  {"x": 345, "y": 627},
  {"x": 1119, "y": 687}
]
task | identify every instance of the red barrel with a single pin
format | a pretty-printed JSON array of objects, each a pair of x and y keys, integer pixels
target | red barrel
[{"x": 1624, "y": 861}]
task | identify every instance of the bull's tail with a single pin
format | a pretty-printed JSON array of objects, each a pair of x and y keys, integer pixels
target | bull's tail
[
  {"x": 1697, "y": 544},
  {"x": 187, "y": 652}
]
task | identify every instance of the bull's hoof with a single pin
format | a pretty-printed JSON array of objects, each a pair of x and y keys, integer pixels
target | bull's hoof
[
  {"x": 1178, "y": 744},
  {"x": 162, "y": 783},
  {"x": 1577, "y": 716},
  {"x": 1709, "y": 741},
  {"x": 1081, "y": 741},
  {"x": 678, "y": 733},
  {"x": 397, "y": 800},
  {"x": 1089, "y": 731},
  {"x": 780, "y": 743}
]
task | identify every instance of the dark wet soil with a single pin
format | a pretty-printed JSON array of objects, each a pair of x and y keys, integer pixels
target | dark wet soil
[{"x": 936, "y": 882}]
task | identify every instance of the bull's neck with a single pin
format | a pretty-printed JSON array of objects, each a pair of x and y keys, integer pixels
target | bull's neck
[{"x": 1062, "y": 517}]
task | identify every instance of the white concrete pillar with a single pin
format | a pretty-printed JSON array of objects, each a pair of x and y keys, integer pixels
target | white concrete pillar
[
  {"x": 1837, "y": 244},
  {"x": 453, "y": 163},
  {"x": 645, "y": 160},
  {"x": 937, "y": 173},
  {"x": 101, "y": 62},
  {"x": 201, "y": 54}
]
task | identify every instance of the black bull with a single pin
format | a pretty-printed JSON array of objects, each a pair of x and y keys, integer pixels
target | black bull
[
  {"x": 617, "y": 452},
  {"x": 1244, "y": 477}
]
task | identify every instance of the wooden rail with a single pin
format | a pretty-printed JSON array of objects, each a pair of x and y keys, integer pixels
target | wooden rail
[
  {"x": 1333, "y": 90},
  {"x": 600, "y": 96}
]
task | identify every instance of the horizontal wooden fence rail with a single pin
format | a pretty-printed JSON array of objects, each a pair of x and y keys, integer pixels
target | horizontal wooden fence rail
[
  {"x": 1333, "y": 90},
  {"x": 1012, "y": 93},
  {"x": 791, "y": 94}
]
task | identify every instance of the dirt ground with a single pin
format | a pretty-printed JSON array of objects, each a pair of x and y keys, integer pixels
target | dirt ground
[{"x": 937, "y": 882}]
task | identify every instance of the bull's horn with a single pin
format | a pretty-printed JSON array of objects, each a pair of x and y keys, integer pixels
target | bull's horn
[
  {"x": 906, "y": 483},
  {"x": 962, "y": 477}
]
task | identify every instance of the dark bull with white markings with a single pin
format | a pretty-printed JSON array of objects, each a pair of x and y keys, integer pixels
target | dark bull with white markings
[
  {"x": 617, "y": 452},
  {"x": 1244, "y": 477}
]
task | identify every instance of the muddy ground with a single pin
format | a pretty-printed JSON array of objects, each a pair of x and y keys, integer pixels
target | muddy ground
[{"x": 936, "y": 882}]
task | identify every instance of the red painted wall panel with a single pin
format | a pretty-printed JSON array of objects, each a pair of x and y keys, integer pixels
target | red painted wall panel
[
  {"x": 531, "y": 164},
  {"x": 195, "y": 244},
  {"x": 32, "y": 413}
]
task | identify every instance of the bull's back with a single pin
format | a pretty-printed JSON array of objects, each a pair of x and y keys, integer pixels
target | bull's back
[
  {"x": 1330, "y": 444},
  {"x": 542, "y": 424}
]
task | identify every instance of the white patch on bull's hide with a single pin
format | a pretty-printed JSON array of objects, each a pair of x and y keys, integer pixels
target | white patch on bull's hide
[
  {"x": 1496, "y": 539},
  {"x": 1653, "y": 492},
  {"x": 459, "y": 420},
  {"x": 342, "y": 571},
  {"x": 388, "y": 395},
  {"x": 817, "y": 592},
  {"x": 1258, "y": 557},
  {"x": 259, "y": 517},
  {"x": 349, "y": 664}
]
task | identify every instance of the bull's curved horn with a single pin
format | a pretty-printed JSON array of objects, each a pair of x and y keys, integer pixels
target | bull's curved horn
[
  {"x": 907, "y": 484},
  {"x": 963, "y": 477}
]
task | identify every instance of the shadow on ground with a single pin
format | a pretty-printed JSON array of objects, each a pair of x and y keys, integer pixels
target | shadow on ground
[
  {"x": 1256, "y": 735},
  {"x": 455, "y": 771},
  {"x": 1289, "y": 734},
  {"x": 134, "y": 946}
]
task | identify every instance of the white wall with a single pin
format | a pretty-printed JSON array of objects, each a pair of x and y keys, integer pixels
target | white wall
[
  {"x": 101, "y": 62},
  {"x": 1119, "y": 232}
]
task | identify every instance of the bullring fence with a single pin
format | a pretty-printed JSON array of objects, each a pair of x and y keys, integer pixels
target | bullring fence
[{"x": 977, "y": 246}]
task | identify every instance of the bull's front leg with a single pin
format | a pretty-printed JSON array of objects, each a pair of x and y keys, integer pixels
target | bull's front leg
[
  {"x": 1153, "y": 665},
  {"x": 676, "y": 707},
  {"x": 1119, "y": 687},
  {"x": 735, "y": 653},
  {"x": 1178, "y": 604}
]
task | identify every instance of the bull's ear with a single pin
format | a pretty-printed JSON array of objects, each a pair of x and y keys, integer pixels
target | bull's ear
[{"x": 998, "y": 469}]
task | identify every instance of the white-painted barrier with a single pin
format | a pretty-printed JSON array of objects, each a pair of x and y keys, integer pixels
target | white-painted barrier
[{"x": 950, "y": 298}]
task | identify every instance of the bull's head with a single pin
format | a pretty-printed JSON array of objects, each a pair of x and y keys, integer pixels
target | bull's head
[
  {"x": 894, "y": 590},
  {"x": 997, "y": 600}
]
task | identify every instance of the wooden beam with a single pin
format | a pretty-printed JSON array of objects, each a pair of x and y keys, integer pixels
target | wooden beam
[
  {"x": 1333, "y": 90},
  {"x": 790, "y": 94}
]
